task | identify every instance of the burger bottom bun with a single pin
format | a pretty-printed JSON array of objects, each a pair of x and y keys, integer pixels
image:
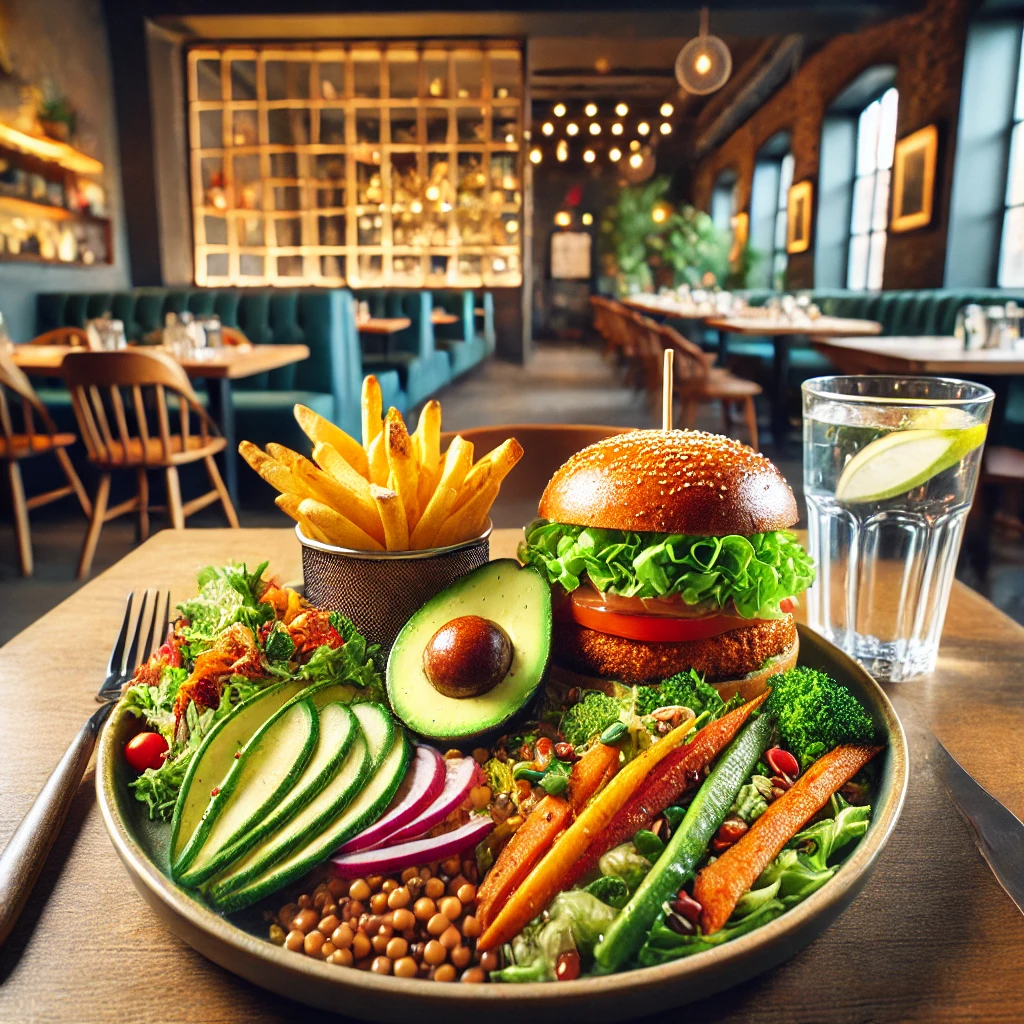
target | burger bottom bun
[{"x": 740, "y": 661}]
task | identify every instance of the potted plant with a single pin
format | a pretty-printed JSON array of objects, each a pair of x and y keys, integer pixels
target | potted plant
[{"x": 57, "y": 116}]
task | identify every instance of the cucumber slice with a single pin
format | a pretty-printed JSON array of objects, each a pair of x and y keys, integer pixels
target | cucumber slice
[
  {"x": 339, "y": 730},
  {"x": 215, "y": 757},
  {"x": 898, "y": 462},
  {"x": 317, "y": 831},
  {"x": 265, "y": 770}
]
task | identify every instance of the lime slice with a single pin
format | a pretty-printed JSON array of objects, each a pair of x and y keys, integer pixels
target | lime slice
[{"x": 903, "y": 460}]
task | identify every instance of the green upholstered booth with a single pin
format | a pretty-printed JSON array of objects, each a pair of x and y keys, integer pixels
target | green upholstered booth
[{"x": 465, "y": 344}]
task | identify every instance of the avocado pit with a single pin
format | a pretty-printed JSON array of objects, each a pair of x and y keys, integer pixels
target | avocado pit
[{"x": 467, "y": 657}]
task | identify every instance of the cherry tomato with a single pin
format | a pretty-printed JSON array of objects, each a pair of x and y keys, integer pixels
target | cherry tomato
[
  {"x": 146, "y": 750},
  {"x": 782, "y": 762},
  {"x": 786, "y": 604}
]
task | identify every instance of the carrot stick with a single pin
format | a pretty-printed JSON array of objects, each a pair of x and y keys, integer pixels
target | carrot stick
[
  {"x": 719, "y": 886},
  {"x": 676, "y": 775},
  {"x": 523, "y": 850},
  {"x": 548, "y": 877},
  {"x": 590, "y": 773}
]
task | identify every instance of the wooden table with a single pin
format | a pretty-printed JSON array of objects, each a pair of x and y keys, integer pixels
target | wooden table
[
  {"x": 384, "y": 327},
  {"x": 938, "y": 355},
  {"x": 439, "y": 318},
  {"x": 782, "y": 332},
  {"x": 932, "y": 938},
  {"x": 218, "y": 366}
]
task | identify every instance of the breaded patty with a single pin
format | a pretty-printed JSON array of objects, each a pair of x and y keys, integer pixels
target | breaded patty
[{"x": 727, "y": 656}]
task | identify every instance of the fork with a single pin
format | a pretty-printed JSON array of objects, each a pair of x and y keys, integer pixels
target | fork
[{"x": 25, "y": 854}]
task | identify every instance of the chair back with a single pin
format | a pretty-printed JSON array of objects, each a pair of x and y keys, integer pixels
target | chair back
[
  {"x": 545, "y": 447},
  {"x": 20, "y": 406},
  {"x": 691, "y": 363},
  {"x": 123, "y": 402},
  {"x": 72, "y": 337}
]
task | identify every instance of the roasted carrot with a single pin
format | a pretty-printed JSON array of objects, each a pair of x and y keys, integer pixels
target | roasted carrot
[
  {"x": 523, "y": 850},
  {"x": 719, "y": 886},
  {"x": 548, "y": 877},
  {"x": 542, "y": 824},
  {"x": 673, "y": 777}
]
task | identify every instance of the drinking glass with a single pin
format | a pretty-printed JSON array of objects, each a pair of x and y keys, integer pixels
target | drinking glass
[{"x": 890, "y": 468}]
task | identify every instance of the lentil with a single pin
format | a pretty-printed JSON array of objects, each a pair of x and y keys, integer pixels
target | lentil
[
  {"x": 381, "y": 965},
  {"x": 437, "y": 924},
  {"x": 405, "y": 968},
  {"x": 403, "y": 920},
  {"x": 328, "y": 924},
  {"x": 474, "y": 976},
  {"x": 434, "y": 953},
  {"x": 305, "y": 920},
  {"x": 434, "y": 889},
  {"x": 399, "y": 898},
  {"x": 444, "y": 973},
  {"x": 359, "y": 890},
  {"x": 294, "y": 940},
  {"x": 466, "y": 893},
  {"x": 396, "y": 948},
  {"x": 342, "y": 957},
  {"x": 342, "y": 936},
  {"x": 424, "y": 908},
  {"x": 313, "y": 943},
  {"x": 451, "y": 907}
]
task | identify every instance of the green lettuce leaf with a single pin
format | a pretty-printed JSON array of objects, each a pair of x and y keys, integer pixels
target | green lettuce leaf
[
  {"x": 751, "y": 574},
  {"x": 227, "y": 594}
]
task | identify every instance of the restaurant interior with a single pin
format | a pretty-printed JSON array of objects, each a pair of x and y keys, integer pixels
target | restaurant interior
[{"x": 516, "y": 211}]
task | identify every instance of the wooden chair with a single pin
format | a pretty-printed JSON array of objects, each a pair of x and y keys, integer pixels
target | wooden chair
[
  {"x": 136, "y": 435},
  {"x": 545, "y": 447},
  {"x": 17, "y": 393},
  {"x": 73, "y": 337},
  {"x": 698, "y": 380}
]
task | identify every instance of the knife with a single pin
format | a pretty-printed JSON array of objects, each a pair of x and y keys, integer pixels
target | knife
[{"x": 998, "y": 832}]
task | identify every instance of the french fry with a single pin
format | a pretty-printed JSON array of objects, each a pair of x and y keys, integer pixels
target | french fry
[
  {"x": 492, "y": 467},
  {"x": 372, "y": 407},
  {"x": 289, "y": 504},
  {"x": 353, "y": 503},
  {"x": 331, "y": 461},
  {"x": 392, "y": 515},
  {"x": 336, "y": 528},
  {"x": 377, "y": 456},
  {"x": 467, "y": 522},
  {"x": 427, "y": 437},
  {"x": 322, "y": 431},
  {"x": 433, "y": 518},
  {"x": 277, "y": 475},
  {"x": 457, "y": 462},
  {"x": 403, "y": 465}
]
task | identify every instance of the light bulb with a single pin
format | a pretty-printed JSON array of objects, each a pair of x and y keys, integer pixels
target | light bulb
[
  {"x": 511, "y": 226},
  {"x": 667, "y": 110},
  {"x": 510, "y": 138},
  {"x": 617, "y": 128},
  {"x": 634, "y": 145},
  {"x": 636, "y": 160},
  {"x": 559, "y": 110},
  {"x": 416, "y": 206},
  {"x": 571, "y": 128},
  {"x": 548, "y": 128},
  {"x": 588, "y": 219},
  {"x": 595, "y": 128},
  {"x": 563, "y": 218},
  {"x": 589, "y": 156},
  {"x": 615, "y": 155},
  {"x": 562, "y": 151},
  {"x": 702, "y": 65},
  {"x": 658, "y": 214},
  {"x": 666, "y": 128},
  {"x": 535, "y": 156},
  {"x": 433, "y": 193},
  {"x": 643, "y": 127},
  {"x": 621, "y": 109},
  {"x": 590, "y": 109}
]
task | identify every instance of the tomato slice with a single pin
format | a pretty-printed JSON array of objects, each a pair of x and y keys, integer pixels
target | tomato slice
[
  {"x": 786, "y": 604},
  {"x": 654, "y": 628}
]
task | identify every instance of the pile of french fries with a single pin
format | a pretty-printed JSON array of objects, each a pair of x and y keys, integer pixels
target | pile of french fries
[{"x": 396, "y": 491}]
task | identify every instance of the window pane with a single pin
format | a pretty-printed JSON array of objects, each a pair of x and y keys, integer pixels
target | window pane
[
  {"x": 857, "y": 270},
  {"x": 785, "y": 179},
  {"x": 287, "y": 80},
  {"x": 863, "y": 196},
  {"x": 880, "y": 215},
  {"x": 867, "y": 138},
  {"x": 1011, "y": 256},
  {"x": 876, "y": 261},
  {"x": 1018, "y": 108},
  {"x": 403, "y": 71},
  {"x": 780, "y": 231},
  {"x": 1015, "y": 172},
  {"x": 779, "y": 271},
  {"x": 887, "y": 128}
]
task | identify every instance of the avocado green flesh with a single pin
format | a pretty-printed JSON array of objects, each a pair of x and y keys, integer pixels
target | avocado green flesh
[{"x": 519, "y": 601}]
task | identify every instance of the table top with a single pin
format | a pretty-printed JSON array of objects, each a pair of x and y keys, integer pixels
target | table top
[
  {"x": 442, "y": 319},
  {"x": 932, "y": 937},
  {"x": 821, "y": 327},
  {"x": 384, "y": 325},
  {"x": 656, "y": 304},
  {"x": 929, "y": 354},
  {"x": 231, "y": 361}
]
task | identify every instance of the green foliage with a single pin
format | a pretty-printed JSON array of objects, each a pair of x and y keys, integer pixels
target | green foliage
[
  {"x": 588, "y": 718},
  {"x": 816, "y": 713},
  {"x": 227, "y": 594},
  {"x": 685, "y": 243}
]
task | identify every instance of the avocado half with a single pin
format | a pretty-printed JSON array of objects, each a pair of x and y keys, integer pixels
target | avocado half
[{"x": 519, "y": 601}]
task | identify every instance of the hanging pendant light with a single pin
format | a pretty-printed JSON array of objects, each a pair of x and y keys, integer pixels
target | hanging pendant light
[{"x": 704, "y": 64}]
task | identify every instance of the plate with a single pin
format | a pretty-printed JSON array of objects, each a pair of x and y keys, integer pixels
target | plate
[{"x": 239, "y": 943}]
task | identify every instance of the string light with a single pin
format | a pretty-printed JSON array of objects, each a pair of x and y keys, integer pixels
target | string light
[
  {"x": 433, "y": 193},
  {"x": 635, "y": 160},
  {"x": 621, "y": 109},
  {"x": 589, "y": 156},
  {"x": 535, "y": 156},
  {"x": 548, "y": 128},
  {"x": 563, "y": 218},
  {"x": 702, "y": 64},
  {"x": 416, "y": 206},
  {"x": 595, "y": 128},
  {"x": 572, "y": 128},
  {"x": 617, "y": 128},
  {"x": 559, "y": 110},
  {"x": 666, "y": 128},
  {"x": 590, "y": 109},
  {"x": 562, "y": 151},
  {"x": 667, "y": 110},
  {"x": 510, "y": 138},
  {"x": 634, "y": 145},
  {"x": 615, "y": 155},
  {"x": 511, "y": 226},
  {"x": 588, "y": 219},
  {"x": 658, "y": 214},
  {"x": 643, "y": 127}
]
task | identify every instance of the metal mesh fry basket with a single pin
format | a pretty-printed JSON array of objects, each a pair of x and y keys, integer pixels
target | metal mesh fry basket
[{"x": 379, "y": 590}]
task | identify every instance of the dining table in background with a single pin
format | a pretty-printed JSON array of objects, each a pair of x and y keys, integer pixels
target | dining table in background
[
  {"x": 782, "y": 332},
  {"x": 383, "y": 327},
  {"x": 931, "y": 938},
  {"x": 219, "y": 367},
  {"x": 440, "y": 318}
]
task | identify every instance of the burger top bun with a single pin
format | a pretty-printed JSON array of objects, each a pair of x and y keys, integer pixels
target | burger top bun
[{"x": 670, "y": 481}]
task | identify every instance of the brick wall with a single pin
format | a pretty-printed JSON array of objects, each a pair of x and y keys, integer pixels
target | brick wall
[{"x": 927, "y": 49}]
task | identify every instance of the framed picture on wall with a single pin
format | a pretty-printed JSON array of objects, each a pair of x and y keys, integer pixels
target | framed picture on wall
[
  {"x": 740, "y": 224},
  {"x": 798, "y": 217},
  {"x": 913, "y": 179}
]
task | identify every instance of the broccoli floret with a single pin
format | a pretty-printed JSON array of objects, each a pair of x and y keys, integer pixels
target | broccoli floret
[
  {"x": 589, "y": 717},
  {"x": 815, "y": 713},
  {"x": 686, "y": 689}
]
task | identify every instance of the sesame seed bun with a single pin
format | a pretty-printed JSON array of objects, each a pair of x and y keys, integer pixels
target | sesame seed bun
[{"x": 670, "y": 481}]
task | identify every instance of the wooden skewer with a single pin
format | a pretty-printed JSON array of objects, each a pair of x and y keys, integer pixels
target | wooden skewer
[{"x": 666, "y": 390}]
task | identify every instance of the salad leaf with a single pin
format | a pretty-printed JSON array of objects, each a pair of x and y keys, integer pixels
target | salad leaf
[
  {"x": 751, "y": 574},
  {"x": 227, "y": 594},
  {"x": 155, "y": 704},
  {"x": 625, "y": 862},
  {"x": 609, "y": 889},
  {"x": 279, "y": 646}
]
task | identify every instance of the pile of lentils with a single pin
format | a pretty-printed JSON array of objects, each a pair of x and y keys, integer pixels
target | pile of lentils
[{"x": 420, "y": 924}]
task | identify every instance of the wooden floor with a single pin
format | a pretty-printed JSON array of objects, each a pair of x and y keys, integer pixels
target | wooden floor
[{"x": 562, "y": 384}]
